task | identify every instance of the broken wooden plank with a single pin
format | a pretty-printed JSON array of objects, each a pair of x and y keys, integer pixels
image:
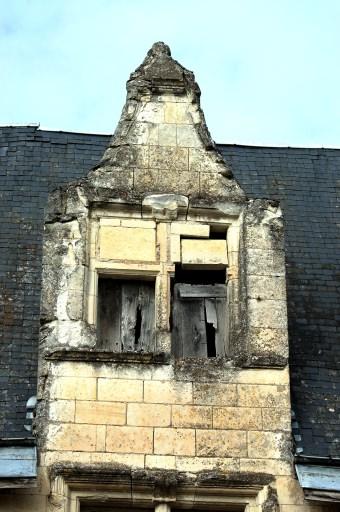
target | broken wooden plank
[
  {"x": 129, "y": 315},
  {"x": 108, "y": 314},
  {"x": 146, "y": 302},
  {"x": 189, "y": 333},
  {"x": 195, "y": 338},
  {"x": 191, "y": 291},
  {"x": 210, "y": 311},
  {"x": 126, "y": 315}
]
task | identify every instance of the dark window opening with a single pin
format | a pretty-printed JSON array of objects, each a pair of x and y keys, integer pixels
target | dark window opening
[
  {"x": 210, "y": 326},
  {"x": 199, "y": 276},
  {"x": 138, "y": 325},
  {"x": 199, "y": 313},
  {"x": 125, "y": 315},
  {"x": 218, "y": 232}
]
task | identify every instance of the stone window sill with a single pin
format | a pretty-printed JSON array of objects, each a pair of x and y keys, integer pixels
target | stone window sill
[{"x": 106, "y": 356}]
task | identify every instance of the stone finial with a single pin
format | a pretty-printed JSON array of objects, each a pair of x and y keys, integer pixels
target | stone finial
[
  {"x": 159, "y": 48},
  {"x": 160, "y": 72}
]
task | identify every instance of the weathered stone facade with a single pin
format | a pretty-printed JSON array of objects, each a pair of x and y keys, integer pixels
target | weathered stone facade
[{"x": 139, "y": 427}]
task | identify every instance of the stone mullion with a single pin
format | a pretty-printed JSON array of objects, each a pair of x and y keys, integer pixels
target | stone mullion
[{"x": 163, "y": 287}]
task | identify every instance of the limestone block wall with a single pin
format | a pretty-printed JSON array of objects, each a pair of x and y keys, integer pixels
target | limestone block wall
[
  {"x": 169, "y": 417},
  {"x": 180, "y": 416}
]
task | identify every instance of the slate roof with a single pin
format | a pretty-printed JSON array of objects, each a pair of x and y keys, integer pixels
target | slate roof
[{"x": 33, "y": 162}]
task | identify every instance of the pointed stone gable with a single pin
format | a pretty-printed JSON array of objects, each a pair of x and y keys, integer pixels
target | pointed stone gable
[{"x": 162, "y": 143}]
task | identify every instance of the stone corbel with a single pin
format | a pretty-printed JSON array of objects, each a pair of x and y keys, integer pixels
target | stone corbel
[{"x": 164, "y": 206}]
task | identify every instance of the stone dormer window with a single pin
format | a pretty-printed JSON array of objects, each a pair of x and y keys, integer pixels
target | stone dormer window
[
  {"x": 159, "y": 281},
  {"x": 158, "y": 250}
]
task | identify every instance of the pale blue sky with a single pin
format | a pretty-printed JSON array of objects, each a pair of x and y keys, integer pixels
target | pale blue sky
[{"x": 268, "y": 69}]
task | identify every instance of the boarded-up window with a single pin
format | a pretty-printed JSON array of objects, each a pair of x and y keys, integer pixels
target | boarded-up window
[
  {"x": 126, "y": 315},
  {"x": 199, "y": 320}
]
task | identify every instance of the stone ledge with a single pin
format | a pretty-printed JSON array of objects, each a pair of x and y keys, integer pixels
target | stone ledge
[
  {"x": 100, "y": 356},
  {"x": 118, "y": 474},
  {"x": 209, "y": 368}
]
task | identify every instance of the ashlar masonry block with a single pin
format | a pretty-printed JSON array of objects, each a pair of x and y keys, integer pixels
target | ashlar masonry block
[
  {"x": 270, "y": 340},
  {"x": 168, "y": 157},
  {"x": 167, "y": 392},
  {"x": 120, "y": 390},
  {"x": 252, "y": 395},
  {"x": 191, "y": 416},
  {"x": 62, "y": 411},
  {"x": 262, "y": 376},
  {"x": 221, "y": 443},
  {"x": 151, "y": 112},
  {"x": 266, "y": 287},
  {"x": 158, "y": 181},
  {"x": 174, "y": 441},
  {"x": 261, "y": 465},
  {"x": 276, "y": 419},
  {"x": 130, "y": 440},
  {"x": 190, "y": 229},
  {"x": 267, "y": 313},
  {"x": 72, "y": 437},
  {"x": 206, "y": 253},
  {"x": 101, "y": 438},
  {"x": 175, "y": 248},
  {"x": 238, "y": 418},
  {"x": 266, "y": 262},
  {"x": 149, "y": 415},
  {"x": 176, "y": 113},
  {"x": 143, "y": 133},
  {"x": 167, "y": 135},
  {"x": 267, "y": 445},
  {"x": 188, "y": 137},
  {"x": 215, "y": 393},
  {"x": 100, "y": 413},
  {"x": 69, "y": 388},
  {"x": 123, "y": 243}
]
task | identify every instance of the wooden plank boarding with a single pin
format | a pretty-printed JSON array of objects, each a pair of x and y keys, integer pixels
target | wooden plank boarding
[
  {"x": 129, "y": 316},
  {"x": 195, "y": 339},
  {"x": 126, "y": 315},
  {"x": 193, "y": 291},
  {"x": 146, "y": 302},
  {"x": 199, "y": 320},
  {"x": 108, "y": 316},
  {"x": 189, "y": 334},
  {"x": 221, "y": 335}
]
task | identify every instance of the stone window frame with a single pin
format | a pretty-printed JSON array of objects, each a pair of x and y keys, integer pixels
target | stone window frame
[
  {"x": 142, "y": 489},
  {"x": 152, "y": 270}
]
